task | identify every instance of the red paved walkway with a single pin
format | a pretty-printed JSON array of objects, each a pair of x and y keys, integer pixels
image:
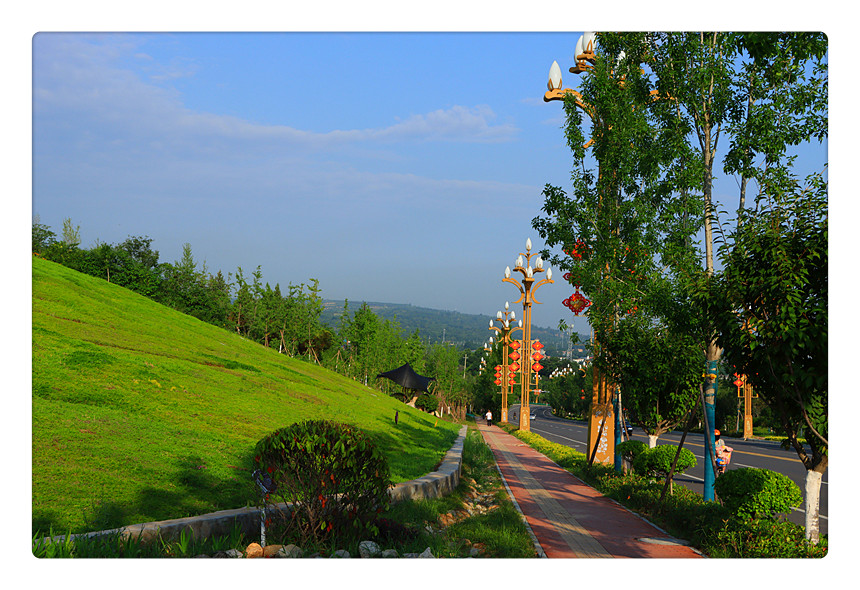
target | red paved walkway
[{"x": 569, "y": 518}]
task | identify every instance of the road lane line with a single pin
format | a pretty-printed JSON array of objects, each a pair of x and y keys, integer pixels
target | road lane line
[
  {"x": 736, "y": 450},
  {"x": 804, "y": 511}
]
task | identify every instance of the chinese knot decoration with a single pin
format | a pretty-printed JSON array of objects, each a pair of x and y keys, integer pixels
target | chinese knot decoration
[{"x": 577, "y": 303}]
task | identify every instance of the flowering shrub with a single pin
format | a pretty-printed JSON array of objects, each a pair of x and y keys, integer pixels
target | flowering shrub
[{"x": 333, "y": 475}]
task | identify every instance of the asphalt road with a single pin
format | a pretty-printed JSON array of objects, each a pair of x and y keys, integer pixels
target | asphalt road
[{"x": 750, "y": 453}]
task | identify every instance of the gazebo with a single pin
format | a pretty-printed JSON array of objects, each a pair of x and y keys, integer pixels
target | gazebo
[{"x": 407, "y": 378}]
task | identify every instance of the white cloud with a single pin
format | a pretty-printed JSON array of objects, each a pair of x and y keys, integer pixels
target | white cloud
[{"x": 80, "y": 83}]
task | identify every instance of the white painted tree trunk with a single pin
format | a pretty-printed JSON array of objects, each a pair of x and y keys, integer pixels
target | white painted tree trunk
[
  {"x": 813, "y": 493},
  {"x": 652, "y": 441}
]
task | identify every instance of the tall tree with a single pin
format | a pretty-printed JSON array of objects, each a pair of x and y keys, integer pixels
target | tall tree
[
  {"x": 629, "y": 222},
  {"x": 771, "y": 312}
]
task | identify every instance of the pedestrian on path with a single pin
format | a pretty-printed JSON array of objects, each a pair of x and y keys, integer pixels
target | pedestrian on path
[{"x": 489, "y": 417}]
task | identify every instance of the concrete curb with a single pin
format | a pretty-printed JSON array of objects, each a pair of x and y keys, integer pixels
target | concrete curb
[{"x": 433, "y": 485}]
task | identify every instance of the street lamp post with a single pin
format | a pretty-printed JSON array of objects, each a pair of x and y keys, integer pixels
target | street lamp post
[
  {"x": 507, "y": 373},
  {"x": 527, "y": 287}
]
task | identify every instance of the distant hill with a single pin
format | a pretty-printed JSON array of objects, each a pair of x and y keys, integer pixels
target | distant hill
[{"x": 465, "y": 330}]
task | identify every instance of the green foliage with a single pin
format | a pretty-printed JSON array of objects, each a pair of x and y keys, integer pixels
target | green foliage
[
  {"x": 658, "y": 369},
  {"x": 657, "y": 462},
  {"x": 757, "y": 493},
  {"x": 564, "y": 456},
  {"x": 630, "y": 449},
  {"x": 43, "y": 237},
  {"x": 116, "y": 545},
  {"x": 764, "y": 539},
  {"x": 427, "y": 402},
  {"x": 333, "y": 475},
  {"x": 776, "y": 272}
]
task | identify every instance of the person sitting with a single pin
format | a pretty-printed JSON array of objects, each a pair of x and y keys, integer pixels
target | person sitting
[{"x": 723, "y": 452}]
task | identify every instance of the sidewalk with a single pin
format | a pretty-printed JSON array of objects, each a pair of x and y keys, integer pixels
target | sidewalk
[{"x": 569, "y": 518}]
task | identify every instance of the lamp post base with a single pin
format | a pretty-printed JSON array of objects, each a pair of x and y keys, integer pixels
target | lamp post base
[{"x": 606, "y": 444}]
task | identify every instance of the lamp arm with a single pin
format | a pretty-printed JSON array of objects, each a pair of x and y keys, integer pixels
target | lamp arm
[{"x": 518, "y": 286}]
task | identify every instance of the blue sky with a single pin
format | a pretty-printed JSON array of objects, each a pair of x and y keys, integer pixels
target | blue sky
[{"x": 396, "y": 167}]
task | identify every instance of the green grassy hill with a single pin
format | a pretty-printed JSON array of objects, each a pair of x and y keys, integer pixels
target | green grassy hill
[{"x": 141, "y": 413}]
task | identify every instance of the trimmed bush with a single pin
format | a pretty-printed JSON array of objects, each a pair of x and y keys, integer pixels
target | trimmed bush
[
  {"x": 630, "y": 449},
  {"x": 656, "y": 462},
  {"x": 427, "y": 402},
  {"x": 333, "y": 475},
  {"x": 750, "y": 492}
]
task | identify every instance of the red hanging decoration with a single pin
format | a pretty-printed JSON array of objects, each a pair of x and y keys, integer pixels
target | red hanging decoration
[{"x": 577, "y": 303}]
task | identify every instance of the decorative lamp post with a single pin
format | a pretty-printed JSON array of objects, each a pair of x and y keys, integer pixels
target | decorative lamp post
[
  {"x": 602, "y": 422},
  {"x": 527, "y": 287},
  {"x": 506, "y": 373},
  {"x": 745, "y": 391}
]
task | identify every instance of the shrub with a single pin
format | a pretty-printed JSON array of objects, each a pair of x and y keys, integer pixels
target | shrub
[
  {"x": 427, "y": 402},
  {"x": 656, "y": 462},
  {"x": 765, "y": 538},
  {"x": 750, "y": 492},
  {"x": 630, "y": 449},
  {"x": 333, "y": 475},
  {"x": 565, "y": 457}
]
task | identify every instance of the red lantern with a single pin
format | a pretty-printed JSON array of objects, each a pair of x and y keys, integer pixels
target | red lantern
[
  {"x": 498, "y": 381},
  {"x": 514, "y": 367},
  {"x": 738, "y": 383},
  {"x": 537, "y": 356},
  {"x": 537, "y": 345},
  {"x": 537, "y": 367},
  {"x": 515, "y": 356},
  {"x": 515, "y": 344}
]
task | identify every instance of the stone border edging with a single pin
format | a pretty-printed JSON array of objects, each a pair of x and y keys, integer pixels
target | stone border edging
[{"x": 433, "y": 485}]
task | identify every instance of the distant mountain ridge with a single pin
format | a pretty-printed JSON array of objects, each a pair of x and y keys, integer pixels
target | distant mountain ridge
[{"x": 466, "y": 330}]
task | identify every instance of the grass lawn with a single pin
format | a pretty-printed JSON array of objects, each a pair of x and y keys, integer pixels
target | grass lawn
[{"x": 141, "y": 413}]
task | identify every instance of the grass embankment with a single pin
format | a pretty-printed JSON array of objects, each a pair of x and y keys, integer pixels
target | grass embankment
[{"x": 141, "y": 413}]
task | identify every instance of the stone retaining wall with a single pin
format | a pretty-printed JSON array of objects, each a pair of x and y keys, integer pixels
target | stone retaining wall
[{"x": 433, "y": 485}]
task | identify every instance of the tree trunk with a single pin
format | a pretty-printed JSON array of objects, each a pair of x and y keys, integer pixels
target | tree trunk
[
  {"x": 813, "y": 493},
  {"x": 652, "y": 441}
]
